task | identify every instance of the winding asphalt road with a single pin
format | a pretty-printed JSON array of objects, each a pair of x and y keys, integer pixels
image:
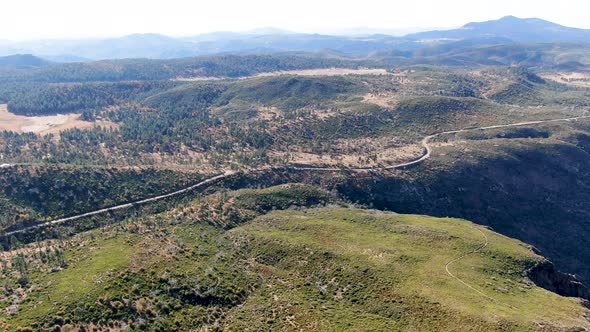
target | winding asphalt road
[
  {"x": 123, "y": 206},
  {"x": 428, "y": 149},
  {"x": 425, "y": 144}
]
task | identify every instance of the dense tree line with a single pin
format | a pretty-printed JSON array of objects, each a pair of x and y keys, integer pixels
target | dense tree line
[
  {"x": 145, "y": 69},
  {"x": 41, "y": 99}
]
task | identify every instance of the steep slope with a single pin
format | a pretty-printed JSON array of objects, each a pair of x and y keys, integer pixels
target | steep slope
[{"x": 524, "y": 183}]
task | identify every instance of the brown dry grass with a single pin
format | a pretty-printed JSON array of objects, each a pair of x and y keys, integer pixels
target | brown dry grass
[
  {"x": 327, "y": 72},
  {"x": 303, "y": 72},
  {"x": 383, "y": 99},
  {"x": 269, "y": 113},
  {"x": 574, "y": 78},
  {"x": 52, "y": 124},
  {"x": 196, "y": 79},
  {"x": 362, "y": 152}
]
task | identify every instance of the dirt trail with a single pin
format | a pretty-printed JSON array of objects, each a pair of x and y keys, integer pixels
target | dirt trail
[
  {"x": 473, "y": 252},
  {"x": 226, "y": 174}
]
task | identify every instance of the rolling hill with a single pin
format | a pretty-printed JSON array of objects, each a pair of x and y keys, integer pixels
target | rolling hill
[{"x": 23, "y": 61}]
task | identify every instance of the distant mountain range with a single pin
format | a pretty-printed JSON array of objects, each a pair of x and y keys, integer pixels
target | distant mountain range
[
  {"x": 271, "y": 41},
  {"x": 530, "y": 30}
]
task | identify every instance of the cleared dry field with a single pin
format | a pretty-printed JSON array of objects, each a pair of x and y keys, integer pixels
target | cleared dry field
[
  {"x": 43, "y": 125},
  {"x": 577, "y": 79},
  {"x": 303, "y": 72},
  {"x": 362, "y": 152},
  {"x": 327, "y": 72}
]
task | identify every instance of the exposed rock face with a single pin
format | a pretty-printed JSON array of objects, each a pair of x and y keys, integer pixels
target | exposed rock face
[{"x": 545, "y": 275}]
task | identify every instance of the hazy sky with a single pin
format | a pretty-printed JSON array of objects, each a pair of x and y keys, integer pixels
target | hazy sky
[{"x": 28, "y": 19}]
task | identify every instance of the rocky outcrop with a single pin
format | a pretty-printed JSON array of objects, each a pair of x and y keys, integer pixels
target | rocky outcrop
[{"x": 545, "y": 275}]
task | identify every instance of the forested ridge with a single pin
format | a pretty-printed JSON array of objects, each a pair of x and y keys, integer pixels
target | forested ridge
[
  {"x": 235, "y": 122},
  {"x": 77, "y": 87},
  {"x": 54, "y": 98},
  {"x": 146, "y": 69}
]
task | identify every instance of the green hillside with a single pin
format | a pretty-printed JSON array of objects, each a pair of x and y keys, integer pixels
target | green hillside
[
  {"x": 348, "y": 269},
  {"x": 328, "y": 268}
]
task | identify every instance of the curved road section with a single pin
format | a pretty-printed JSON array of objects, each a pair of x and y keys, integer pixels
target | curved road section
[
  {"x": 428, "y": 149},
  {"x": 426, "y": 155}
]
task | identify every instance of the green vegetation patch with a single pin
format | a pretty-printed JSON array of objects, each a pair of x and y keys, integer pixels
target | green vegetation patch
[
  {"x": 230, "y": 209},
  {"x": 142, "y": 275},
  {"x": 83, "y": 280},
  {"x": 282, "y": 197},
  {"x": 291, "y": 92}
]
